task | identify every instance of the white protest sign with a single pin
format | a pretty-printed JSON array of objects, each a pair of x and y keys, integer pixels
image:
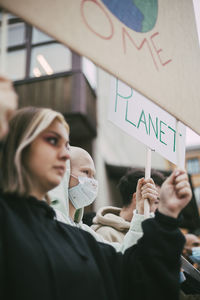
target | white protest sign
[
  {"x": 147, "y": 44},
  {"x": 147, "y": 122}
]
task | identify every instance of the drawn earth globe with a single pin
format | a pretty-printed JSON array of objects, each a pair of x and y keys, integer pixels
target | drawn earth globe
[{"x": 139, "y": 15}]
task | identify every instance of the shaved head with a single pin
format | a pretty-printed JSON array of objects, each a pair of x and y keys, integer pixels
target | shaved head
[
  {"x": 81, "y": 164},
  {"x": 78, "y": 155}
]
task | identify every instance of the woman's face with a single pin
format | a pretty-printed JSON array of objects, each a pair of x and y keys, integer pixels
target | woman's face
[{"x": 46, "y": 158}]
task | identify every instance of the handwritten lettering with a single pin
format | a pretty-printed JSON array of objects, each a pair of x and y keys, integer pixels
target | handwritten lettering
[
  {"x": 108, "y": 37},
  {"x": 146, "y": 122},
  {"x": 125, "y": 35},
  {"x": 158, "y": 51}
]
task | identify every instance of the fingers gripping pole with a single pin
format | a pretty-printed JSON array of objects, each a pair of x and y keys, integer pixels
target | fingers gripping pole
[{"x": 147, "y": 175}]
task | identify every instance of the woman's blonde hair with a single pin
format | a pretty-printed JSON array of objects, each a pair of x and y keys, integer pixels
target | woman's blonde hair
[{"x": 24, "y": 127}]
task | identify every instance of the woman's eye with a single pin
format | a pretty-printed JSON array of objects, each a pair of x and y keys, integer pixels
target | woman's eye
[
  {"x": 52, "y": 140},
  {"x": 68, "y": 147},
  {"x": 86, "y": 172}
]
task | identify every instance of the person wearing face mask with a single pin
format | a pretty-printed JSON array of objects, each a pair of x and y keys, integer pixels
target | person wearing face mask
[
  {"x": 191, "y": 252},
  {"x": 195, "y": 256},
  {"x": 83, "y": 187},
  {"x": 191, "y": 249},
  {"x": 75, "y": 186},
  {"x": 82, "y": 191}
]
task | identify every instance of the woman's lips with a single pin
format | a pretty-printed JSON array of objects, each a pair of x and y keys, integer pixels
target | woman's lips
[{"x": 60, "y": 169}]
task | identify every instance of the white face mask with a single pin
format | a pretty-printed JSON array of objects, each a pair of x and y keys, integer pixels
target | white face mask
[
  {"x": 195, "y": 257},
  {"x": 84, "y": 193}
]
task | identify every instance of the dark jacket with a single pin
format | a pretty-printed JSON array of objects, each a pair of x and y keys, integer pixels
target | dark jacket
[
  {"x": 188, "y": 297},
  {"x": 41, "y": 258},
  {"x": 190, "y": 285}
]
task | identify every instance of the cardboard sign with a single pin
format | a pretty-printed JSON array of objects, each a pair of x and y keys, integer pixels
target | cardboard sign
[
  {"x": 147, "y": 122},
  {"x": 151, "y": 45}
]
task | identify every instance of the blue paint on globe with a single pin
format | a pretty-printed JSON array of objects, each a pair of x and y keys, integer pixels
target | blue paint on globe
[{"x": 139, "y": 15}]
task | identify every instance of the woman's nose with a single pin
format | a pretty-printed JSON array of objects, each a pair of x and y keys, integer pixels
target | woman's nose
[{"x": 64, "y": 153}]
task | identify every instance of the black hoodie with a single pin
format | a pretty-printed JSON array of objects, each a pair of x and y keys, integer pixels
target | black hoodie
[{"x": 41, "y": 258}]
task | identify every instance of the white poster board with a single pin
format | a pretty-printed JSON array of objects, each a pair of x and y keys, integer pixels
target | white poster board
[
  {"x": 147, "y": 122},
  {"x": 151, "y": 45}
]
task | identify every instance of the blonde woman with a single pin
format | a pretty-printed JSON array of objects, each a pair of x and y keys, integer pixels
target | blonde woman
[{"x": 44, "y": 259}]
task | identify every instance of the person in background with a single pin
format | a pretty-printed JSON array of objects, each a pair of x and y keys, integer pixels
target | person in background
[
  {"x": 191, "y": 252},
  {"x": 192, "y": 243},
  {"x": 83, "y": 189},
  {"x": 42, "y": 258},
  {"x": 73, "y": 199},
  {"x": 112, "y": 222}
]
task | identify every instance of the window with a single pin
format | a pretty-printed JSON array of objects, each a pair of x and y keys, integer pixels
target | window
[
  {"x": 193, "y": 166},
  {"x": 15, "y": 66},
  {"x": 40, "y": 37},
  {"x": 89, "y": 70},
  {"x": 16, "y": 34},
  {"x": 10, "y": 16},
  {"x": 50, "y": 59},
  {"x": 48, "y": 56},
  {"x": 15, "y": 63},
  {"x": 32, "y": 53}
]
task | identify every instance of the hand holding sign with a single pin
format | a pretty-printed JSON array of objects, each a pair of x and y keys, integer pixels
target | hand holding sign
[
  {"x": 175, "y": 193},
  {"x": 146, "y": 189}
]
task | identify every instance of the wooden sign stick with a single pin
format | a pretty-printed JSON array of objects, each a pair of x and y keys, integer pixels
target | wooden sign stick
[{"x": 147, "y": 175}]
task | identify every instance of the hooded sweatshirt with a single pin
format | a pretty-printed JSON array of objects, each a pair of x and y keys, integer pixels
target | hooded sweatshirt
[
  {"x": 110, "y": 225},
  {"x": 44, "y": 259},
  {"x": 114, "y": 228}
]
